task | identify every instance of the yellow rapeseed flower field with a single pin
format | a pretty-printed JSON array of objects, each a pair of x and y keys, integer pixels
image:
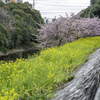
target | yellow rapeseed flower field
[{"x": 36, "y": 78}]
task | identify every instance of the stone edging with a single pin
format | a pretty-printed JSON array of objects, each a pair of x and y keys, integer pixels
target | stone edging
[{"x": 86, "y": 82}]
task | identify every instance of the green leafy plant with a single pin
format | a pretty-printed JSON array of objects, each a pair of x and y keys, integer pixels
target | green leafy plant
[
  {"x": 92, "y": 10},
  {"x": 21, "y": 24},
  {"x": 38, "y": 78}
]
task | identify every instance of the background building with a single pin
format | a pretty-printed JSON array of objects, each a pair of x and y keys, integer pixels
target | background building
[{"x": 9, "y": 1}]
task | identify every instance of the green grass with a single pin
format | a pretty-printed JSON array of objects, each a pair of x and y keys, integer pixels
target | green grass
[{"x": 36, "y": 79}]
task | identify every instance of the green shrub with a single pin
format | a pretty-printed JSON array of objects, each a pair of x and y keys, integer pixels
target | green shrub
[
  {"x": 19, "y": 25},
  {"x": 1, "y": 4},
  {"x": 27, "y": 4},
  {"x": 93, "y": 2},
  {"x": 93, "y": 10},
  {"x": 3, "y": 38}
]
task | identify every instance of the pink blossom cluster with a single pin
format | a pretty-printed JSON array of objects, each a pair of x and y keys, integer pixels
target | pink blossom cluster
[{"x": 68, "y": 29}]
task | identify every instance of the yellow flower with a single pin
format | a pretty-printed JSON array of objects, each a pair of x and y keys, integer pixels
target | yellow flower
[
  {"x": 12, "y": 91},
  {"x": 15, "y": 95},
  {"x": 12, "y": 98},
  {"x": 6, "y": 93}
]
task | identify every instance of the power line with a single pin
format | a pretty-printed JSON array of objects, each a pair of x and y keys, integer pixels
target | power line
[
  {"x": 68, "y": 5},
  {"x": 40, "y": 5},
  {"x": 53, "y": 3}
]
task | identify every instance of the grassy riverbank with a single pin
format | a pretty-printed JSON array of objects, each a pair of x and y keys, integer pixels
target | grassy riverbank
[{"x": 36, "y": 79}]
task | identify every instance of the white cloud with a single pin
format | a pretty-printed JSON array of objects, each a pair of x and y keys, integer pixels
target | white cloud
[{"x": 48, "y": 7}]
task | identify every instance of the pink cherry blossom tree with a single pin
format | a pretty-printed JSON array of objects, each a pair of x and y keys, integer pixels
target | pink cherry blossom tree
[{"x": 68, "y": 29}]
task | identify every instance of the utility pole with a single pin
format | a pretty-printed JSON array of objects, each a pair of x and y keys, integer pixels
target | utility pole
[{"x": 33, "y": 6}]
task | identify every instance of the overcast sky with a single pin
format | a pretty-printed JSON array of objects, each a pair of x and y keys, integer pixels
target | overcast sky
[{"x": 52, "y": 8}]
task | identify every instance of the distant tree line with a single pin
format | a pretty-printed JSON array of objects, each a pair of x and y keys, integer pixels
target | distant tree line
[{"x": 18, "y": 25}]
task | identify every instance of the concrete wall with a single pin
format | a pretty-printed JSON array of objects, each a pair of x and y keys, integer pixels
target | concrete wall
[{"x": 86, "y": 84}]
